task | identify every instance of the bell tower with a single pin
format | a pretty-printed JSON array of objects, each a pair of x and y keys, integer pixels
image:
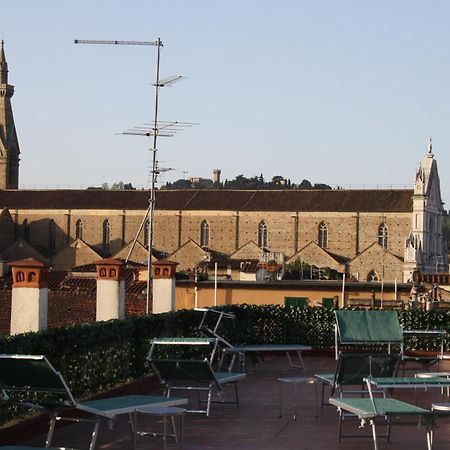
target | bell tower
[{"x": 9, "y": 145}]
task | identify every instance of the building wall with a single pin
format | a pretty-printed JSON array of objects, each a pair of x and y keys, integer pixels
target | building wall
[
  {"x": 222, "y": 228},
  {"x": 348, "y": 233},
  {"x": 261, "y": 294}
]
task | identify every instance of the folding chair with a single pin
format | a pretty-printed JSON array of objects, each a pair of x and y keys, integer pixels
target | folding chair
[
  {"x": 191, "y": 374},
  {"x": 32, "y": 382}
]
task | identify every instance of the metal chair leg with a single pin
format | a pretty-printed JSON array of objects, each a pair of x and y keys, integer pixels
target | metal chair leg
[
  {"x": 94, "y": 435},
  {"x": 388, "y": 434},
  {"x": 281, "y": 399},
  {"x": 341, "y": 418},
  {"x": 51, "y": 430},
  {"x": 174, "y": 428},
  {"x": 317, "y": 401},
  {"x": 374, "y": 434}
]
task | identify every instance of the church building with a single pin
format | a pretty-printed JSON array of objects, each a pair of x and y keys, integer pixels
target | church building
[{"x": 368, "y": 234}]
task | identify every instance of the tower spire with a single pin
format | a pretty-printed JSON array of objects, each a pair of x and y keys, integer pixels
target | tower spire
[
  {"x": 3, "y": 65},
  {"x": 9, "y": 145}
]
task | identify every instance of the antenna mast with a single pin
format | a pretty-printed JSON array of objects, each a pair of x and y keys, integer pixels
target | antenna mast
[
  {"x": 169, "y": 129},
  {"x": 151, "y": 207}
]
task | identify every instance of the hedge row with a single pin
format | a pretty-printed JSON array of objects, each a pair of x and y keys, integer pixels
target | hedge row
[{"x": 95, "y": 357}]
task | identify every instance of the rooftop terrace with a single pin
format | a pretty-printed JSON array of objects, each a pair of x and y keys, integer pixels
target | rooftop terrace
[{"x": 257, "y": 425}]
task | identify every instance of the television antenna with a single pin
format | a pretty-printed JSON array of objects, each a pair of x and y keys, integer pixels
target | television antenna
[{"x": 153, "y": 132}]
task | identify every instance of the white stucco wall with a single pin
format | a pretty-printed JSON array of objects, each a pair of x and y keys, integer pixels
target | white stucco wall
[
  {"x": 110, "y": 300},
  {"x": 28, "y": 309},
  {"x": 163, "y": 295}
]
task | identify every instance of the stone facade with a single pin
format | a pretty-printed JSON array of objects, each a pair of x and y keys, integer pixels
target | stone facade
[{"x": 331, "y": 228}]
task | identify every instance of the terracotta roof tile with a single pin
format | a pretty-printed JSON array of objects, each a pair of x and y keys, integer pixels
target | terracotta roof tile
[{"x": 388, "y": 200}]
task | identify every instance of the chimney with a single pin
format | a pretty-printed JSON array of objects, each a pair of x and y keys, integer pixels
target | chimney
[
  {"x": 164, "y": 286},
  {"x": 29, "y": 296},
  {"x": 110, "y": 290},
  {"x": 216, "y": 176}
]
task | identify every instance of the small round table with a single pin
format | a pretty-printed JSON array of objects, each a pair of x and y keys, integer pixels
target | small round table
[
  {"x": 441, "y": 407},
  {"x": 295, "y": 381},
  {"x": 164, "y": 412}
]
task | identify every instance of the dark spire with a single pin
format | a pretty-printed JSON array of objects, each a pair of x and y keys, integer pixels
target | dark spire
[{"x": 3, "y": 66}]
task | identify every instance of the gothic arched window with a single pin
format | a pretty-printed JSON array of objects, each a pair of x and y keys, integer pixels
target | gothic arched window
[
  {"x": 263, "y": 235},
  {"x": 106, "y": 242},
  {"x": 204, "y": 234},
  {"x": 79, "y": 229},
  {"x": 383, "y": 235},
  {"x": 323, "y": 235},
  {"x": 26, "y": 230},
  {"x": 372, "y": 276},
  {"x": 146, "y": 231},
  {"x": 51, "y": 235}
]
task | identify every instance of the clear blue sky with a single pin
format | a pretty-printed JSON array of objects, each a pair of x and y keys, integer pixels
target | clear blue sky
[{"x": 340, "y": 92}]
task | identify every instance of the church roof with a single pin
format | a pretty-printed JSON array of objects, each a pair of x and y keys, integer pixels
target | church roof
[{"x": 370, "y": 200}]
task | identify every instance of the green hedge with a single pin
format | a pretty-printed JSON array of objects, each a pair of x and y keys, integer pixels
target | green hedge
[{"x": 95, "y": 357}]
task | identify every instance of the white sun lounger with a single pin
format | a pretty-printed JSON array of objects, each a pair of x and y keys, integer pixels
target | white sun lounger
[{"x": 238, "y": 352}]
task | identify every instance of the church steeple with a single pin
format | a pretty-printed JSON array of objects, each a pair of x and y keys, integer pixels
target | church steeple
[
  {"x": 3, "y": 66},
  {"x": 9, "y": 145}
]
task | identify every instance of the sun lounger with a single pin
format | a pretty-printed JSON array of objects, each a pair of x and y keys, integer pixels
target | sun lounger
[
  {"x": 353, "y": 368},
  {"x": 367, "y": 409},
  {"x": 238, "y": 352},
  {"x": 32, "y": 382},
  {"x": 191, "y": 374},
  {"x": 388, "y": 407}
]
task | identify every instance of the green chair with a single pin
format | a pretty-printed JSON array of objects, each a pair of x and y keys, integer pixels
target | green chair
[
  {"x": 301, "y": 302},
  {"x": 370, "y": 409},
  {"x": 194, "y": 374},
  {"x": 353, "y": 368},
  {"x": 30, "y": 381}
]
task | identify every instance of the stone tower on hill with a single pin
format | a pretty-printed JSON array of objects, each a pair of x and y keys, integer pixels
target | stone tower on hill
[{"x": 9, "y": 145}]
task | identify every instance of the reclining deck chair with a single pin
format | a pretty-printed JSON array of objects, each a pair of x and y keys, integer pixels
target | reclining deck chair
[
  {"x": 191, "y": 374},
  {"x": 32, "y": 382},
  {"x": 369, "y": 409},
  {"x": 353, "y": 368},
  {"x": 238, "y": 352}
]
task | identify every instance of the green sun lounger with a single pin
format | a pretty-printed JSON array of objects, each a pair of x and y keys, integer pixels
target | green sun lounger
[
  {"x": 369, "y": 409},
  {"x": 192, "y": 374},
  {"x": 32, "y": 382},
  {"x": 353, "y": 368}
]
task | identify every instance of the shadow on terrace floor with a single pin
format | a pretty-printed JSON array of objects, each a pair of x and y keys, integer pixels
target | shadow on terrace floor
[{"x": 257, "y": 425}]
